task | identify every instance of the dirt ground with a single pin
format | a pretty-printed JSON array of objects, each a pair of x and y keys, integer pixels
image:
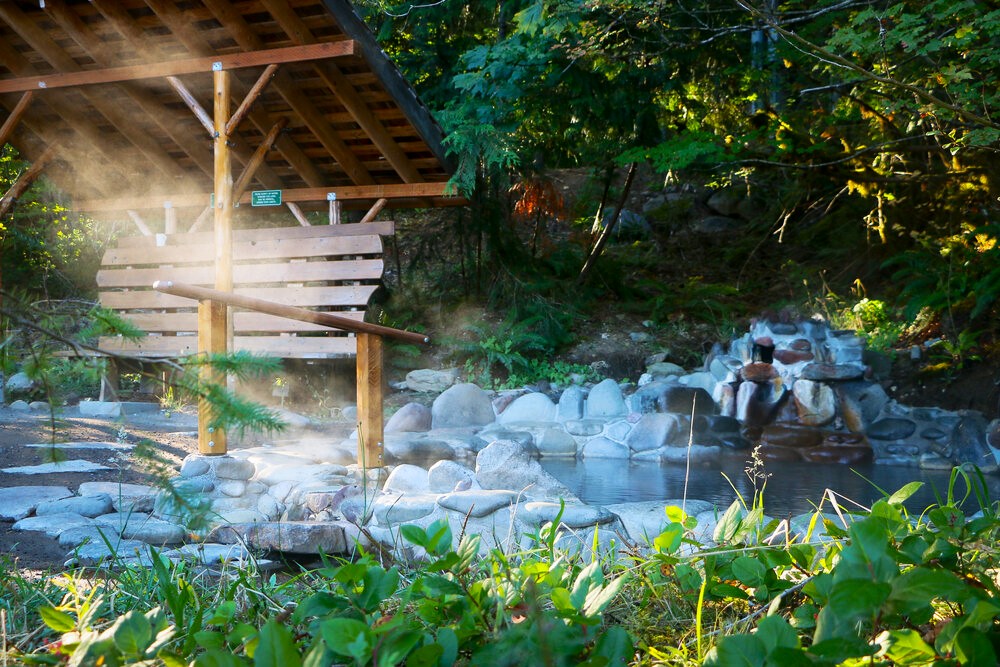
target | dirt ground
[{"x": 173, "y": 438}]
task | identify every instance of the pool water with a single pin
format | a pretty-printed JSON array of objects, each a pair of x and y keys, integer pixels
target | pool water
[{"x": 791, "y": 488}]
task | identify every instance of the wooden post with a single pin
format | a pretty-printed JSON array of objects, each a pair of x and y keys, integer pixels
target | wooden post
[
  {"x": 169, "y": 218},
  {"x": 213, "y": 325},
  {"x": 370, "y": 391}
]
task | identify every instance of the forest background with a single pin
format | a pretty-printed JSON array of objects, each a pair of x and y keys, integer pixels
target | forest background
[{"x": 863, "y": 136}]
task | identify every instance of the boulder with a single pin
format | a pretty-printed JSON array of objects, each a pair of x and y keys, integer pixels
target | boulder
[
  {"x": 88, "y": 506},
  {"x": 533, "y": 407},
  {"x": 462, "y": 405},
  {"x": 860, "y": 403},
  {"x": 570, "y": 404},
  {"x": 969, "y": 445},
  {"x": 407, "y": 478},
  {"x": 447, "y": 476},
  {"x": 602, "y": 448},
  {"x": 832, "y": 372},
  {"x": 20, "y": 382},
  {"x": 477, "y": 503},
  {"x": 430, "y": 380},
  {"x": 411, "y": 418},
  {"x": 653, "y": 431},
  {"x": 757, "y": 403},
  {"x": 124, "y": 497},
  {"x": 891, "y": 428},
  {"x": 504, "y": 464},
  {"x": 556, "y": 442},
  {"x": 815, "y": 402},
  {"x": 606, "y": 401}
]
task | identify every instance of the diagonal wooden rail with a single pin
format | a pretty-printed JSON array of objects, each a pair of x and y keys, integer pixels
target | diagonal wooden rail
[{"x": 369, "y": 357}]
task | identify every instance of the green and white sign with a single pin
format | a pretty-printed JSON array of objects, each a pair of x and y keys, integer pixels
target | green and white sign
[{"x": 265, "y": 198}]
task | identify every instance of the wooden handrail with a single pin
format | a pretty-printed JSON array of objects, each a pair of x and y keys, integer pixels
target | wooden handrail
[{"x": 291, "y": 312}]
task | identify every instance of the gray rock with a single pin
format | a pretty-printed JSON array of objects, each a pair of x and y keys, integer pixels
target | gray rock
[
  {"x": 697, "y": 454},
  {"x": 534, "y": 407},
  {"x": 88, "y": 506},
  {"x": 573, "y": 515},
  {"x": 832, "y": 372},
  {"x": 932, "y": 433},
  {"x": 891, "y": 428},
  {"x": 71, "y": 465},
  {"x": 17, "y": 502},
  {"x": 673, "y": 397},
  {"x": 462, "y": 405},
  {"x": 430, "y": 380},
  {"x": 53, "y": 524},
  {"x": 605, "y": 401},
  {"x": 234, "y": 488},
  {"x": 391, "y": 509},
  {"x": 316, "y": 473},
  {"x": 725, "y": 368},
  {"x": 619, "y": 430},
  {"x": 570, "y": 406},
  {"x": 194, "y": 465},
  {"x": 585, "y": 428},
  {"x": 602, "y": 448},
  {"x": 214, "y": 554},
  {"x": 968, "y": 443},
  {"x": 142, "y": 527},
  {"x": 556, "y": 442},
  {"x": 295, "y": 537},
  {"x": 77, "y": 535},
  {"x": 20, "y": 406},
  {"x": 349, "y": 413},
  {"x": 100, "y": 409},
  {"x": 411, "y": 418},
  {"x": 478, "y": 503},
  {"x": 757, "y": 403},
  {"x": 444, "y": 476},
  {"x": 653, "y": 431},
  {"x": 716, "y": 224},
  {"x": 39, "y": 406},
  {"x": 124, "y": 497},
  {"x": 416, "y": 447},
  {"x": 505, "y": 465},
  {"x": 293, "y": 419},
  {"x": 726, "y": 201},
  {"x": 815, "y": 402},
  {"x": 357, "y": 509},
  {"x": 699, "y": 380},
  {"x": 644, "y": 521},
  {"x": 230, "y": 467},
  {"x": 664, "y": 369},
  {"x": 97, "y": 552},
  {"x": 19, "y": 382},
  {"x": 860, "y": 404},
  {"x": 407, "y": 478}
]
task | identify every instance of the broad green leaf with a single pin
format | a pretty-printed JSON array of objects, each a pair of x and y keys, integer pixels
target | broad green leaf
[
  {"x": 675, "y": 514},
  {"x": 775, "y": 632},
  {"x": 858, "y": 598},
  {"x": 905, "y": 647},
  {"x": 669, "y": 541},
  {"x": 904, "y": 493},
  {"x": 749, "y": 571},
  {"x": 346, "y": 636},
  {"x": 132, "y": 633},
  {"x": 973, "y": 647},
  {"x": 918, "y": 587},
  {"x": 57, "y": 620},
  {"x": 600, "y": 597},
  {"x": 414, "y": 535},
  {"x": 218, "y": 658},
  {"x": 729, "y": 524},
  {"x": 428, "y": 655},
  {"x": 276, "y": 647},
  {"x": 737, "y": 651},
  {"x": 223, "y": 614},
  {"x": 391, "y": 648},
  {"x": 615, "y": 646}
]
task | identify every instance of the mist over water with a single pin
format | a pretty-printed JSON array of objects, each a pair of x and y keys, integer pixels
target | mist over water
[{"x": 792, "y": 488}]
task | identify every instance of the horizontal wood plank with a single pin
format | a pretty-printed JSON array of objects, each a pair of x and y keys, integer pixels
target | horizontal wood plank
[
  {"x": 381, "y": 228},
  {"x": 303, "y": 297},
  {"x": 246, "y": 274},
  {"x": 252, "y": 250},
  {"x": 243, "y": 322},
  {"x": 285, "y": 347}
]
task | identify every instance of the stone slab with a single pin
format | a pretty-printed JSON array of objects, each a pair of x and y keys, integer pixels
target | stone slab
[
  {"x": 73, "y": 465},
  {"x": 103, "y": 446},
  {"x": 52, "y": 524},
  {"x": 17, "y": 502}
]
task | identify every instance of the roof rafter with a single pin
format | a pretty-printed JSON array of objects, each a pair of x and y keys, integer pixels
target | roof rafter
[
  {"x": 299, "y": 32},
  {"x": 247, "y": 39}
]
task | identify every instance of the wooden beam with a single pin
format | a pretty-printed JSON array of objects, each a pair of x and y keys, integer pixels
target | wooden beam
[
  {"x": 193, "y": 104},
  {"x": 213, "y": 316},
  {"x": 298, "y": 214},
  {"x": 299, "y": 32},
  {"x": 257, "y": 159},
  {"x": 296, "y": 195},
  {"x": 140, "y": 223},
  {"x": 370, "y": 401},
  {"x": 118, "y": 117},
  {"x": 247, "y": 39},
  {"x": 24, "y": 181},
  {"x": 169, "y": 218},
  {"x": 178, "y": 22},
  {"x": 177, "y": 67},
  {"x": 15, "y": 117},
  {"x": 251, "y": 97},
  {"x": 375, "y": 209}
]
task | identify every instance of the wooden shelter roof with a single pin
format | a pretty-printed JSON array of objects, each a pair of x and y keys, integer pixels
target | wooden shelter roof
[{"x": 112, "y": 95}]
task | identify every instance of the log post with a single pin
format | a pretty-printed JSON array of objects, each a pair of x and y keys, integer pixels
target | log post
[
  {"x": 213, "y": 316},
  {"x": 370, "y": 393}
]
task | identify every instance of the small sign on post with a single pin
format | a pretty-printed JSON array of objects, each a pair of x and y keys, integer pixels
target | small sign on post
[{"x": 265, "y": 198}]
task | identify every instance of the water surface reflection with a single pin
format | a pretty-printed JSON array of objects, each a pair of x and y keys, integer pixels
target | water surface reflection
[{"x": 792, "y": 488}]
